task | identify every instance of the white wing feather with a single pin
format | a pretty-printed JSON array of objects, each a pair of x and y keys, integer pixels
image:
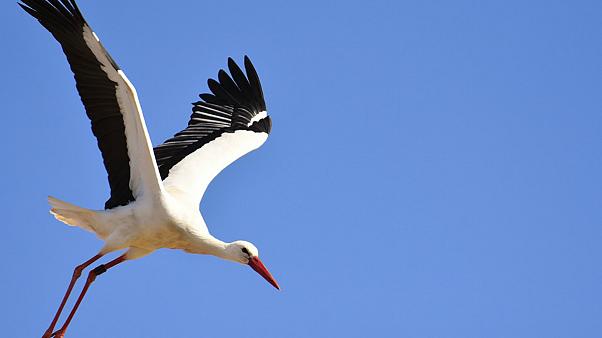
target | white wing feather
[{"x": 189, "y": 178}]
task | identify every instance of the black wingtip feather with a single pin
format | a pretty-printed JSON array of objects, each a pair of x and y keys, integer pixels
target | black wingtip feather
[
  {"x": 237, "y": 89},
  {"x": 28, "y": 10},
  {"x": 58, "y": 16},
  {"x": 254, "y": 81}
]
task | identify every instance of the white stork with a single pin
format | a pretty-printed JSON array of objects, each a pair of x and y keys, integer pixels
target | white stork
[{"x": 155, "y": 193}]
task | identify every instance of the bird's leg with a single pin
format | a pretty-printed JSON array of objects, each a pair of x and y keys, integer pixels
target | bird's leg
[
  {"x": 91, "y": 277},
  {"x": 77, "y": 272}
]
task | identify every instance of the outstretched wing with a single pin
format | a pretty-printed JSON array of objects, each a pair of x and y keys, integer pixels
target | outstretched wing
[
  {"x": 110, "y": 100},
  {"x": 224, "y": 126}
]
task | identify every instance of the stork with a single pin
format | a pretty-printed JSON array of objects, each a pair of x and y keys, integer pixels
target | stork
[{"x": 155, "y": 192}]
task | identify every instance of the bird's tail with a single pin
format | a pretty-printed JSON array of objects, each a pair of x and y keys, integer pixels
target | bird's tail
[{"x": 72, "y": 214}]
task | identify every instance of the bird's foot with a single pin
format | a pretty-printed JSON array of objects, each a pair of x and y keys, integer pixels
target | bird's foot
[{"x": 48, "y": 333}]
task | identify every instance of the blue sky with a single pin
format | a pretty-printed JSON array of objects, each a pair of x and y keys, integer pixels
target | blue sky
[{"x": 433, "y": 170}]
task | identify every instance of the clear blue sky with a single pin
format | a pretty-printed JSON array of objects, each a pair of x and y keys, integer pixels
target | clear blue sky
[{"x": 434, "y": 170}]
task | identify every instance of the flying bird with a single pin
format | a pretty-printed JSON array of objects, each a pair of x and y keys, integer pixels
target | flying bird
[{"x": 155, "y": 192}]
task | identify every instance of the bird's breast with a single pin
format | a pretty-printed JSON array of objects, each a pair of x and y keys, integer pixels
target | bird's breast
[{"x": 159, "y": 228}]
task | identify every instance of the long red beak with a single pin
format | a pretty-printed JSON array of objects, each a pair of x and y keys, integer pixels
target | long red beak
[{"x": 258, "y": 266}]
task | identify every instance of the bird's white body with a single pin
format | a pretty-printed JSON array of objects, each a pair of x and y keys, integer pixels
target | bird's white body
[{"x": 170, "y": 217}]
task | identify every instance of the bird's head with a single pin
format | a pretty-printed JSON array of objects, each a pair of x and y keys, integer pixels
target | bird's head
[{"x": 246, "y": 253}]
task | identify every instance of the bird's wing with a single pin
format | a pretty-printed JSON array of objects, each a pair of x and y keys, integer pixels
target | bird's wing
[
  {"x": 110, "y": 100},
  {"x": 224, "y": 126}
]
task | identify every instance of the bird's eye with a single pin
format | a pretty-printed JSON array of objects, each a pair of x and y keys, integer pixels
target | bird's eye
[{"x": 245, "y": 251}]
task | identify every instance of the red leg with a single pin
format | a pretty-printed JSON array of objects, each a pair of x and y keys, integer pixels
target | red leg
[
  {"x": 91, "y": 277},
  {"x": 76, "y": 274}
]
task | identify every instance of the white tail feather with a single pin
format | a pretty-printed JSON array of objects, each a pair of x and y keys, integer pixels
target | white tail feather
[{"x": 72, "y": 214}]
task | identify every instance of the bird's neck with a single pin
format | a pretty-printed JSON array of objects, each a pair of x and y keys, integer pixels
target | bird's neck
[{"x": 206, "y": 244}]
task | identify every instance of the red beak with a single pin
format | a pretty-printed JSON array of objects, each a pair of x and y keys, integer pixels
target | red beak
[{"x": 256, "y": 265}]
